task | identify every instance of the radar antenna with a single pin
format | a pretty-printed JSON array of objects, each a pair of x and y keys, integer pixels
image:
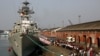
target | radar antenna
[{"x": 25, "y": 10}]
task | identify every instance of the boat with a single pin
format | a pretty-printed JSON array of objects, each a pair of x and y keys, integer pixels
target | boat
[{"x": 24, "y": 37}]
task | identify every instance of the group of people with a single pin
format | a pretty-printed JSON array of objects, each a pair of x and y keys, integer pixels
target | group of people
[{"x": 79, "y": 51}]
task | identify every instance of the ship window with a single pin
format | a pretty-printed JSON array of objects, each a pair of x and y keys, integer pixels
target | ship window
[
  {"x": 16, "y": 30},
  {"x": 31, "y": 24},
  {"x": 14, "y": 23},
  {"x": 25, "y": 8},
  {"x": 18, "y": 24}
]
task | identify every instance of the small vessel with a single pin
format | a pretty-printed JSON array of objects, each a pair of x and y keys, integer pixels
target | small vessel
[{"x": 24, "y": 36}]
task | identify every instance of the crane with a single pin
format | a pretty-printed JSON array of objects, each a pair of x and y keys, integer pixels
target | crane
[{"x": 70, "y": 22}]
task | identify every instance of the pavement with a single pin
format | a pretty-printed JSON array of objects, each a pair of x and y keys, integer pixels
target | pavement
[{"x": 56, "y": 51}]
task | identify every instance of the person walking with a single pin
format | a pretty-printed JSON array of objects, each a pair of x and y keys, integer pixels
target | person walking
[
  {"x": 88, "y": 52},
  {"x": 84, "y": 53},
  {"x": 91, "y": 52}
]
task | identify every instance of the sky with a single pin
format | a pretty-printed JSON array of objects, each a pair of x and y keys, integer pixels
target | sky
[{"x": 50, "y": 13}]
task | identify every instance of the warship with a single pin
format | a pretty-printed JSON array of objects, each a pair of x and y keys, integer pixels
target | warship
[{"x": 24, "y": 36}]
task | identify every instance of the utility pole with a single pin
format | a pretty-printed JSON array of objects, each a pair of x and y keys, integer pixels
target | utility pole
[
  {"x": 54, "y": 25},
  {"x": 79, "y": 19},
  {"x": 63, "y": 23},
  {"x": 49, "y": 26}
]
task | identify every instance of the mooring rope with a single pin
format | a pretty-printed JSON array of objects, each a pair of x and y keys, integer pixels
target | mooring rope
[{"x": 58, "y": 54}]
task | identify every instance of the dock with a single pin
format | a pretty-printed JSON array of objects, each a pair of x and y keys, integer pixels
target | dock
[{"x": 56, "y": 51}]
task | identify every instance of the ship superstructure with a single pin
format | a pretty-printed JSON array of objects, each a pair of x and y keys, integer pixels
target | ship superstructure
[
  {"x": 22, "y": 31},
  {"x": 25, "y": 23}
]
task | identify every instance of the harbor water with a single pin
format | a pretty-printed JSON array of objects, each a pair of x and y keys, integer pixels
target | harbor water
[{"x": 4, "y": 44}]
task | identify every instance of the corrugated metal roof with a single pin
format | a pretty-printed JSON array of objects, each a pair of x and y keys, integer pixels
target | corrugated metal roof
[{"x": 94, "y": 25}]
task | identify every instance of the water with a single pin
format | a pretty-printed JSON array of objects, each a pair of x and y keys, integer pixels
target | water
[{"x": 4, "y": 44}]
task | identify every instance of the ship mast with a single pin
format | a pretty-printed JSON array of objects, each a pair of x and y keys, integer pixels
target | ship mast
[
  {"x": 25, "y": 14},
  {"x": 25, "y": 11}
]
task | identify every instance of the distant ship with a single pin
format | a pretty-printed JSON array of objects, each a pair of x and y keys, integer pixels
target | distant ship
[{"x": 24, "y": 32}]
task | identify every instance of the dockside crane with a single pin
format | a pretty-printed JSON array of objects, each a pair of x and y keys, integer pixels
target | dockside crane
[{"x": 70, "y": 22}]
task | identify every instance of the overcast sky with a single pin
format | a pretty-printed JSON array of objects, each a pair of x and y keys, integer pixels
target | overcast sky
[{"x": 51, "y": 13}]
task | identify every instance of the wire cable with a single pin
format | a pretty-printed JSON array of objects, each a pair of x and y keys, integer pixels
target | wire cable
[{"x": 57, "y": 54}]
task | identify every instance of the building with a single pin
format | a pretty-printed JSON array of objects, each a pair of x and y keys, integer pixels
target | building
[
  {"x": 50, "y": 32},
  {"x": 87, "y": 34}
]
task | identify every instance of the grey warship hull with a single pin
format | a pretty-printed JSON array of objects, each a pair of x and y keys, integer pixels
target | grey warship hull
[{"x": 22, "y": 45}]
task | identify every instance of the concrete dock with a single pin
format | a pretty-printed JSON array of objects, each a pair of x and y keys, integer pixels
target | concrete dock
[{"x": 56, "y": 51}]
